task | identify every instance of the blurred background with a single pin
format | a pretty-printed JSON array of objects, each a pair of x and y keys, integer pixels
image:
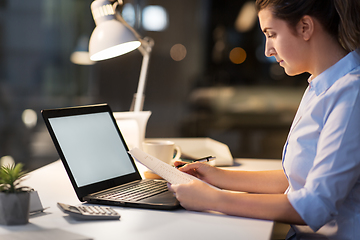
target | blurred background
[{"x": 208, "y": 76}]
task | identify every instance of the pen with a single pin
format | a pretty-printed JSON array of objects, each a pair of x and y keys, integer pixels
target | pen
[{"x": 204, "y": 159}]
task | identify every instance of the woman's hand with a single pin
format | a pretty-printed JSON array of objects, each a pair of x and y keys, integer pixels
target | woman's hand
[
  {"x": 196, "y": 195},
  {"x": 202, "y": 171}
]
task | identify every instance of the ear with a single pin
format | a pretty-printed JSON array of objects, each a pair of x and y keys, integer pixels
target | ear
[{"x": 305, "y": 27}]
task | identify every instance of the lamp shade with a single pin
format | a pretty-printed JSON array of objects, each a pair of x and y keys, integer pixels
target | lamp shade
[{"x": 110, "y": 37}]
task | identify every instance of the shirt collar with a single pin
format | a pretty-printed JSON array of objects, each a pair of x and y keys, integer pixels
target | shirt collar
[{"x": 327, "y": 78}]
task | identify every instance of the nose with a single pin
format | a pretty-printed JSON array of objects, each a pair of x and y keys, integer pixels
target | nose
[{"x": 269, "y": 49}]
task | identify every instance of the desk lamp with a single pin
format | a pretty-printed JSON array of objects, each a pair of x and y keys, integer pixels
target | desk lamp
[{"x": 113, "y": 37}]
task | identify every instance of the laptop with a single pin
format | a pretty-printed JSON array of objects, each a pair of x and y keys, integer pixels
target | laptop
[{"x": 95, "y": 156}]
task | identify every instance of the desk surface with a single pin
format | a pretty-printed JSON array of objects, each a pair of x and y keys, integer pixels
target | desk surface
[{"x": 54, "y": 186}]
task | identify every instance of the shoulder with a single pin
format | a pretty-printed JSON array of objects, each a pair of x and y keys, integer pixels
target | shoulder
[
  {"x": 351, "y": 67},
  {"x": 343, "y": 96},
  {"x": 348, "y": 83}
]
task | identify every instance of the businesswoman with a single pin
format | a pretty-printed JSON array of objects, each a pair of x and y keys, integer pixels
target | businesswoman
[{"x": 318, "y": 190}]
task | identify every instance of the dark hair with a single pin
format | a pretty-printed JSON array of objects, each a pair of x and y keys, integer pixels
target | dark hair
[{"x": 340, "y": 18}]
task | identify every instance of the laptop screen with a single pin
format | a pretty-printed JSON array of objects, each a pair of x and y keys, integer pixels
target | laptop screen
[{"x": 92, "y": 147}]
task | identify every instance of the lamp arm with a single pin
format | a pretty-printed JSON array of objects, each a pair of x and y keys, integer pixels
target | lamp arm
[
  {"x": 142, "y": 82},
  {"x": 145, "y": 49}
]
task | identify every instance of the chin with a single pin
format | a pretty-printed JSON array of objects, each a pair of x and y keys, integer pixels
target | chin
[{"x": 292, "y": 73}]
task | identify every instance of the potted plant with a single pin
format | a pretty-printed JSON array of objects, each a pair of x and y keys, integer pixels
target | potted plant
[{"x": 14, "y": 199}]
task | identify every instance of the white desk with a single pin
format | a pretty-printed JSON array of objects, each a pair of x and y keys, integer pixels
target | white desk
[{"x": 53, "y": 185}]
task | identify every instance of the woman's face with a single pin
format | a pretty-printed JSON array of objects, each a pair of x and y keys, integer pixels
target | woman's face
[{"x": 283, "y": 43}]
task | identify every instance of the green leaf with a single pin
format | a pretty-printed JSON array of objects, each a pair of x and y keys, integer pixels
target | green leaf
[{"x": 10, "y": 178}]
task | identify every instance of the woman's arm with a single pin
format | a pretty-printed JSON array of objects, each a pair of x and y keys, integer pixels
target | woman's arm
[
  {"x": 245, "y": 181},
  {"x": 266, "y": 199},
  {"x": 198, "y": 196},
  {"x": 273, "y": 181},
  {"x": 262, "y": 206}
]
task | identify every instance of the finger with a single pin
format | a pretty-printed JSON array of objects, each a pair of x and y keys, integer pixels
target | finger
[
  {"x": 172, "y": 187},
  {"x": 180, "y": 166},
  {"x": 191, "y": 166},
  {"x": 178, "y": 163}
]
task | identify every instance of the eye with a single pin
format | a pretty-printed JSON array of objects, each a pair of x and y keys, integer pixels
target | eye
[{"x": 270, "y": 35}]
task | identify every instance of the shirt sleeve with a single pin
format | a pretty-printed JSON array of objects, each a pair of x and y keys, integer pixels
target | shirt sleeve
[{"x": 336, "y": 166}]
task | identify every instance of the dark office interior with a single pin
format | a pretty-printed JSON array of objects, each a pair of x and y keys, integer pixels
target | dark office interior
[{"x": 221, "y": 85}]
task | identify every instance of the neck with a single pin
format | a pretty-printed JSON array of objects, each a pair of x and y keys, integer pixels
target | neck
[{"x": 325, "y": 52}]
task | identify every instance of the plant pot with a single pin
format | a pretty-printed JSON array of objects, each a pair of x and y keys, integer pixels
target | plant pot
[{"x": 14, "y": 208}]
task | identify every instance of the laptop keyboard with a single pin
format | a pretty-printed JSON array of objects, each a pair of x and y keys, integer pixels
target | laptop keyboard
[{"x": 137, "y": 191}]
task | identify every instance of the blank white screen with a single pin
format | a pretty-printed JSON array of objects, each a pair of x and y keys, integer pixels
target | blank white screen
[{"x": 92, "y": 147}]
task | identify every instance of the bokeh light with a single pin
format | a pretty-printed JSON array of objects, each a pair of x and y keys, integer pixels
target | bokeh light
[
  {"x": 237, "y": 55},
  {"x": 178, "y": 52},
  {"x": 29, "y": 118},
  {"x": 6, "y": 161},
  {"x": 154, "y": 18}
]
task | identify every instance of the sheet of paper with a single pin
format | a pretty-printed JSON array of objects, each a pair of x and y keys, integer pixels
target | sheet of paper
[{"x": 164, "y": 170}]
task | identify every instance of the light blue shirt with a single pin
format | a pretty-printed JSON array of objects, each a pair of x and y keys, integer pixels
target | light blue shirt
[{"x": 321, "y": 157}]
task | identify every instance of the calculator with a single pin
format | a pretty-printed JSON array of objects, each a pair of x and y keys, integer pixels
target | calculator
[{"x": 84, "y": 212}]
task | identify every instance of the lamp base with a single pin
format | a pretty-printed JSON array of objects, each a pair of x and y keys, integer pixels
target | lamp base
[{"x": 133, "y": 126}]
